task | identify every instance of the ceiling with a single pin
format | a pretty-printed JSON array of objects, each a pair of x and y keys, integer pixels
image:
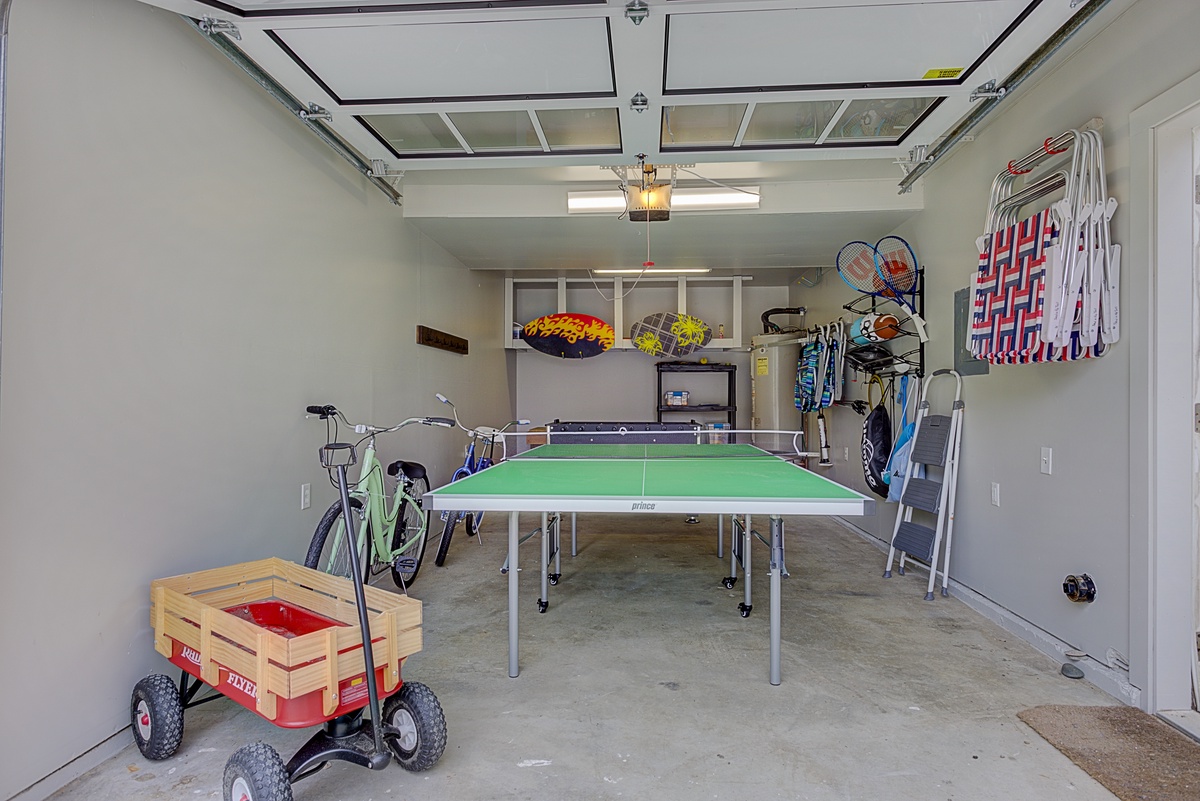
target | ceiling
[{"x": 484, "y": 113}]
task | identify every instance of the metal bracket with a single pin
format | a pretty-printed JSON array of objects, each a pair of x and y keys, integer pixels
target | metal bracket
[
  {"x": 314, "y": 113},
  {"x": 988, "y": 91},
  {"x": 916, "y": 155},
  {"x": 379, "y": 169},
  {"x": 213, "y": 26}
]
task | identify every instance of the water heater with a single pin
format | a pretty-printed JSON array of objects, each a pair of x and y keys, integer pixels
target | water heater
[{"x": 773, "y": 359}]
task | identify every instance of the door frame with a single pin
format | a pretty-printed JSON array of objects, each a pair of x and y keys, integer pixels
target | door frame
[{"x": 1158, "y": 323}]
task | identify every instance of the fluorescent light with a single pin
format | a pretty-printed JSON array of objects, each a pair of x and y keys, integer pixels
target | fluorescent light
[
  {"x": 653, "y": 270},
  {"x": 744, "y": 197},
  {"x": 594, "y": 202}
]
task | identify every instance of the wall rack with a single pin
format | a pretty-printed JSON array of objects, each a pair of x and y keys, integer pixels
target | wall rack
[
  {"x": 616, "y": 287},
  {"x": 910, "y": 361}
]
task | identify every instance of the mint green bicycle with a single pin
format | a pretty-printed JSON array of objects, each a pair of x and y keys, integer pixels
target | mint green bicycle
[{"x": 387, "y": 536}]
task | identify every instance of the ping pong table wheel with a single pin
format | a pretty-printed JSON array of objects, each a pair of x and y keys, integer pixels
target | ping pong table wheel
[
  {"x": 728, "y": 582},
  {"x": 554, "y": 577},
  {"x": 543, "y": 606},
  {"x": 745, "y": 608}
]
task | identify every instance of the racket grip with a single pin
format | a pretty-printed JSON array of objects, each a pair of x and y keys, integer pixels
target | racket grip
[{"x": 919, "y": 325}]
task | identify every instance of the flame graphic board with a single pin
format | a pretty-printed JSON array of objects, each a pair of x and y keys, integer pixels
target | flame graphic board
[{"x": 568, "y": 335}]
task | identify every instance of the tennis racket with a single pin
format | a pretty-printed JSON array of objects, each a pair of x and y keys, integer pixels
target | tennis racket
[
  {"x": 856, "y": 266},
  {"x": 896, "y": 268}
]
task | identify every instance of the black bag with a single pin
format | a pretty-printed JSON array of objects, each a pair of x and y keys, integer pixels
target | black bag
[{"x": 877, "y": 442}]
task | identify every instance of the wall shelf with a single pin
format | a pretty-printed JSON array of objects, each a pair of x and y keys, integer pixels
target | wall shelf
[{"x": 615, "y": 312}]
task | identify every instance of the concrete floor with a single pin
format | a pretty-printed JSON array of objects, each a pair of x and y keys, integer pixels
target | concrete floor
[{"x": 642, "y": 681}]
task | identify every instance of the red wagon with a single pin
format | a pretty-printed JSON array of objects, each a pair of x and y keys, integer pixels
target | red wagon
[{"x": 285, "y": 642}]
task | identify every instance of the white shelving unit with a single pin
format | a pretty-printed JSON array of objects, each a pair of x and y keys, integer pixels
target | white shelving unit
[{"x": 615, "y": 288}]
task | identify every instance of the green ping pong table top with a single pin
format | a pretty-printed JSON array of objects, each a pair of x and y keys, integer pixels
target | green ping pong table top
[{"x": 637, "y": 478}]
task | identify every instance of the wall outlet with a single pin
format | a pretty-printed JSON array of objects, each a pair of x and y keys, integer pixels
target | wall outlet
[
  {"x": 305, "y": 496},
  {"x": 1047, "y": 454},
  {"x": 995, "y": 494},
  {"x": 846, "y": 454}
]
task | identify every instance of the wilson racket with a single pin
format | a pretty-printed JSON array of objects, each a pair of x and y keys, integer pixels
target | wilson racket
[
  {"x": 856, "y": 266},
  {"x": 896, "y": 268}
]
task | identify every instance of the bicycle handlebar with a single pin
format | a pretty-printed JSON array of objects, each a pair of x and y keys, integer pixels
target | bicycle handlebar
[{"x": 329, "y": 410}]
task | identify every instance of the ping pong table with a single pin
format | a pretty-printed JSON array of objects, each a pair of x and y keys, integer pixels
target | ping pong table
[{"x": 648, "y": 478}]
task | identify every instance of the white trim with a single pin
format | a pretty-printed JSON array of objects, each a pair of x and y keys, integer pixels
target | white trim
[
  {"x": 1162, "y": 566},
  {"x": 98, "y": 754},
  {"x": 1113, "y": 681}
]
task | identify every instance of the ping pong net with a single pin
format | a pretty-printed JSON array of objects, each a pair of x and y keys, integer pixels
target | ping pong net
[{"x": 650, "y": 450}]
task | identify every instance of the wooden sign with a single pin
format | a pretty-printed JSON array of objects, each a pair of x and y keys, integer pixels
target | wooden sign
[{"x": 441, "y": 340}]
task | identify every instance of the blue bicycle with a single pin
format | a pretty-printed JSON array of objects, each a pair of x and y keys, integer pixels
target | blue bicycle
[{"x": 480, "y": 452}]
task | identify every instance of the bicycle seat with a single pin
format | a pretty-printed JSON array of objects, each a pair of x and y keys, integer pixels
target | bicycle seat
[{"x": 410, "y": 469}]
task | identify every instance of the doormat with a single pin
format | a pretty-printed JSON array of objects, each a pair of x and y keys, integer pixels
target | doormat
[{"x": 1136, "y": 756}]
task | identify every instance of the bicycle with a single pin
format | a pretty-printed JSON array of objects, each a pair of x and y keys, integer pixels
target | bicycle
[
  {"x": 385, "y": 537},
  {"x": 471, "y": 465}
]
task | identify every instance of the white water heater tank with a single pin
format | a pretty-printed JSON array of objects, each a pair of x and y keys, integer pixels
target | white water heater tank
[{"x": 773, "y": 359}]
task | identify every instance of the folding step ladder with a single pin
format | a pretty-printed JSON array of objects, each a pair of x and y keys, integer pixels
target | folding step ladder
[{"x": 935, "y": 444}]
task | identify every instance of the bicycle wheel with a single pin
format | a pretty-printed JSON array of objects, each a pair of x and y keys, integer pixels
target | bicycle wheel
[
  {"x": 408, "y": 540},
  {"x": 329, "y": 549},
  {"x": 473, "y": 520},
  {"x": 447, "y": 533}
]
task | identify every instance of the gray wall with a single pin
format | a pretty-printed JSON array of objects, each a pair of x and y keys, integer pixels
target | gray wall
[
  {"x": 185, "y": 268},
  {"x": 1077, "y": 519}
]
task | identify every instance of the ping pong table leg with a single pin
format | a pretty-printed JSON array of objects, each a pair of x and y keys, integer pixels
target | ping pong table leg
[
  {"x": 776, "y": 586},
  {"x": 744, "y": 548},
  {"x": 720, "y": 536},
  {"x": 513, "y": 569},
  {"x": 544, "y": 600}
]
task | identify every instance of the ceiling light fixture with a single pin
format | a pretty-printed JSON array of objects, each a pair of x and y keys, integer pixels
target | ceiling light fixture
[
  {"x": 636, "y": 11},
  {"x": 654, "y": 270},
  {"x": 649, "y": 201}
]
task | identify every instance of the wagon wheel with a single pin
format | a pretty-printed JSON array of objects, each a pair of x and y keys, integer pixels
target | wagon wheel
[
  {"x": 415, "y": 726},
  {"x": 156, "y": 713},
  {"x": 256, "y": 773}
]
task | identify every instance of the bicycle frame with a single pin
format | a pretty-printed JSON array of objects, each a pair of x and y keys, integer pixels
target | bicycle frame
[
  {"x": 369, "y": 490},
  {"x": 472, "y": 465}
]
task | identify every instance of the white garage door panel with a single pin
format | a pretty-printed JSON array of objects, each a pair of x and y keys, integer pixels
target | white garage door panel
[
  {"x": 472, "y": 59},
  {"x": 811, "y": 46}
]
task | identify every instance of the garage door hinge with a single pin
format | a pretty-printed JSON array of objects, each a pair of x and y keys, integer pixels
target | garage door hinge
[{"x": 1196, "y": 419}]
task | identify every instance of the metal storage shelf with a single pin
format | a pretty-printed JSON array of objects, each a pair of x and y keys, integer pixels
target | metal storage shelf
[{"x": 729, "y": 408}]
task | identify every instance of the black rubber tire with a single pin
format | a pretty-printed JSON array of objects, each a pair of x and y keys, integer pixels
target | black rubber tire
[
  {"x": 156, "y": 712},
  {"x": 409, "y": 524},
  {"x": 473, "y": 520},
  {"x": 337, "y": 564},
  {"x": 255, "y": 772},
  {"x": 416, "y": 712},
  {"x": 447, "y": 534}
]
